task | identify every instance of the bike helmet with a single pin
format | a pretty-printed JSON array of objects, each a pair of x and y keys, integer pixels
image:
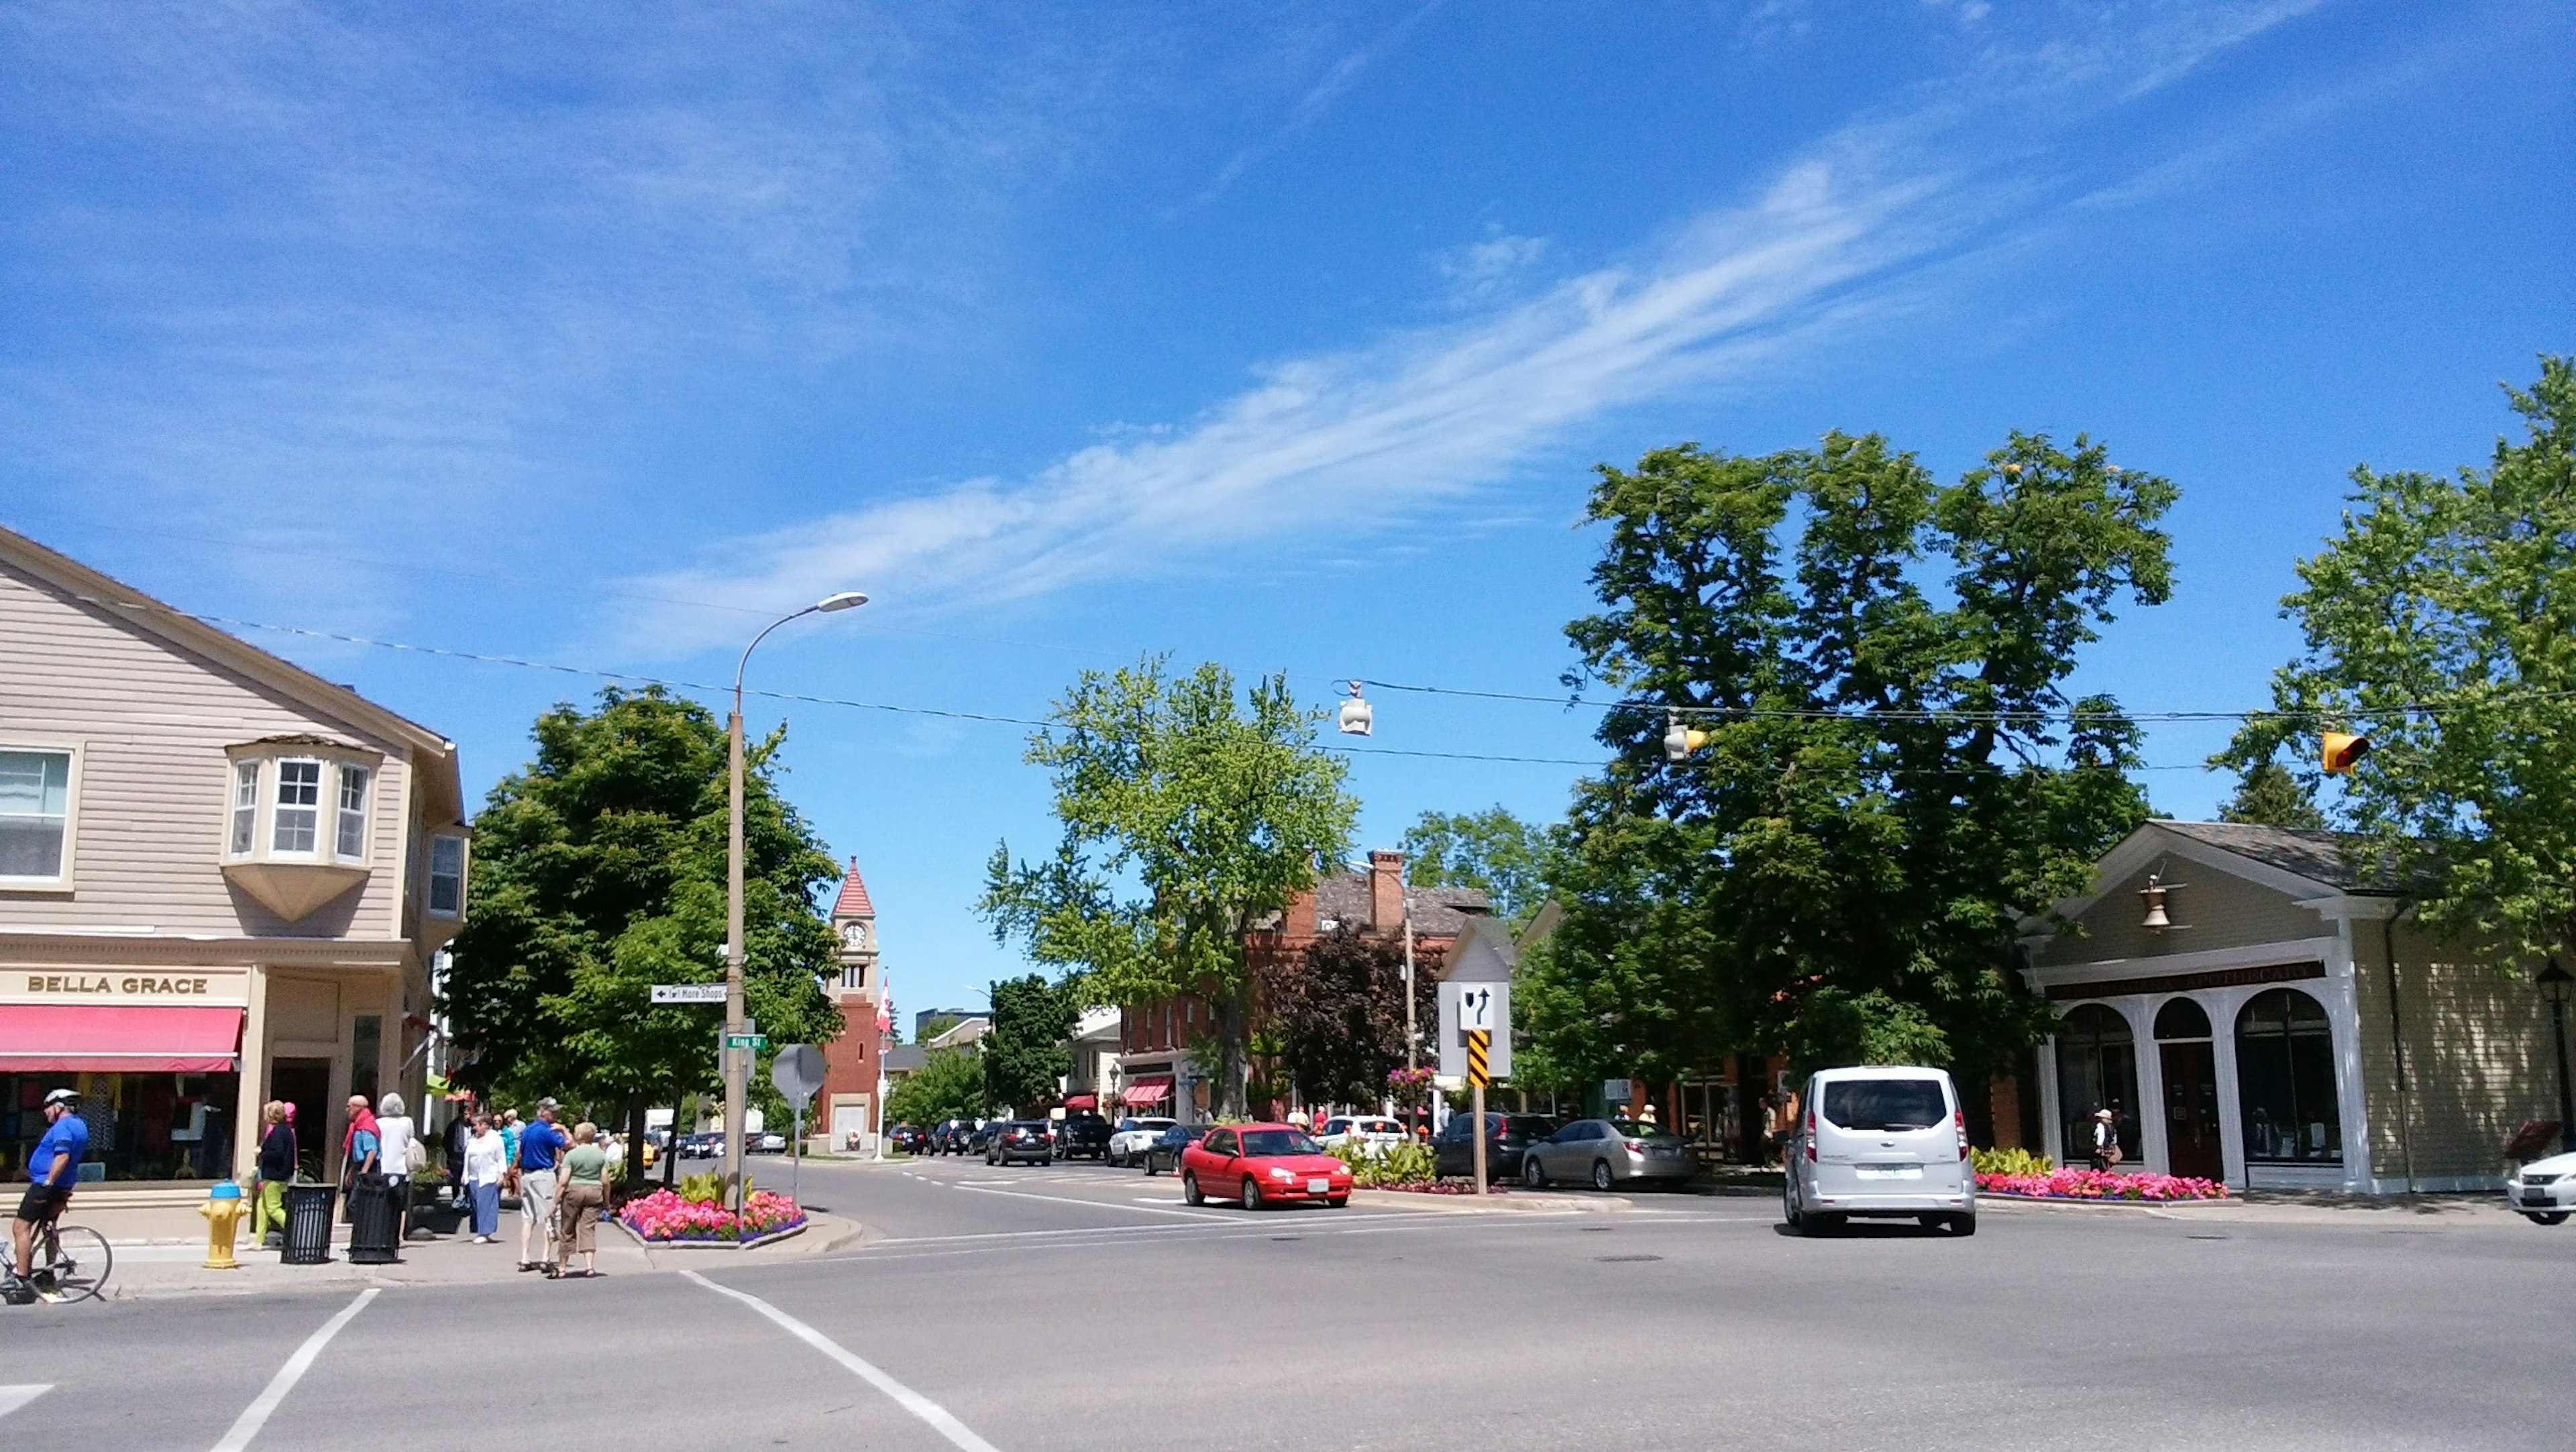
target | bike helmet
[{"x": 60, "y": 1096}]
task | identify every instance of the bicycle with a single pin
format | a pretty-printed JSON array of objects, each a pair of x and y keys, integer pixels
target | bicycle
[{"x": 71, "y": 1262}]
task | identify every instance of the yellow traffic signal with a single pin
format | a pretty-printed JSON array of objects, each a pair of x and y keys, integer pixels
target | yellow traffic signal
[
  {"x": 1680, "y": 740},
  {"x": 2342, "y": 749}
]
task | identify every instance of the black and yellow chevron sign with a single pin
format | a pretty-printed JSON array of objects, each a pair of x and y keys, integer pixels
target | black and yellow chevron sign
[{"x": 1478, "y": 1041}]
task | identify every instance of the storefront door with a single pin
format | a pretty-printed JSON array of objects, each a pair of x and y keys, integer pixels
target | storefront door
[
  {"x": 2191, "y": 1111},
  {"x": 306, "y": 1084}
]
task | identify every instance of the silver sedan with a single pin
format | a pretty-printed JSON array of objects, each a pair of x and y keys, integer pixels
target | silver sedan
[{"x": 1605, "y": 1152}]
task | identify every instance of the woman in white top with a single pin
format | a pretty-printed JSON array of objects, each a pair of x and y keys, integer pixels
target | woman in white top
[
  {"x": 487, "y": 1154},
  {"x": 400, "y": 1141}
]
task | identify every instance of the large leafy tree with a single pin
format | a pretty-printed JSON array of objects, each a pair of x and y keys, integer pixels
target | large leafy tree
[
  {"x": 600, "y": 871},
  {"x": 1893, "y": 770},
  {"x": 1508, "y": 859},
  {"x": 1190, "y": 812},
  {"x": 2442, "y": 621},
  {"x": 1025, "y": 1054},
  {"x": 1337, "y": 1010},
  {"x": 948, "y": 1085}
]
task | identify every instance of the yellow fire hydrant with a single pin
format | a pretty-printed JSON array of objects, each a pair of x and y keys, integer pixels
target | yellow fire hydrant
[{"x": 223, "y": 1212}]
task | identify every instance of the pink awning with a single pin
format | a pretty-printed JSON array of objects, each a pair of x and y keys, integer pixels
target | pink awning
[
  {"x": 1082, "y": 1101},
  {"x": 87, "y": 1038},
  {"x": 1146, "y": 1091}
]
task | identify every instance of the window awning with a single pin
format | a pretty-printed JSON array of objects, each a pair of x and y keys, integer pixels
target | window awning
[
  {"x": 1147, "y": 1091},
  {"x": 86, "y": 1038},
  {"x": 1082, "y": 1101}
]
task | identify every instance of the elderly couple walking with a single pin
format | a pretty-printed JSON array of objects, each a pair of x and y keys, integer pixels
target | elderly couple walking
[{"x": 562, "y": 1183}]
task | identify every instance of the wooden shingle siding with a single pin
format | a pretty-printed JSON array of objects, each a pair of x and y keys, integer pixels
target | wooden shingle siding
[
  {"x": 2478, "y": 1055},
  {"x": 152, "y": 722}
]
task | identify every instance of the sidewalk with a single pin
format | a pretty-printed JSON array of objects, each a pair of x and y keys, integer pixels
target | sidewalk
[{"x": 161, "y": 1252}]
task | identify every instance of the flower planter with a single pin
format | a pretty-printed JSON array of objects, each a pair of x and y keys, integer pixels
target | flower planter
[
  {"x": 664, "y": 1220},
  {"x": 2099, "y": 1187}
]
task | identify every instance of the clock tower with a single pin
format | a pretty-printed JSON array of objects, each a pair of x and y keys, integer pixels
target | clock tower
[{"x": 850, "y": 1107}]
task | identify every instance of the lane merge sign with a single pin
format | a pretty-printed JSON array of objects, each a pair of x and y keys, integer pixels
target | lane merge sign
[{"x": 688, "y": 993}]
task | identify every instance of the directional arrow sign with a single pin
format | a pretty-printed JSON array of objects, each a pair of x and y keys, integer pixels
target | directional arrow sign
[
  {"x": 688, "y": 993},
  {"x": 1475, "y": 1007}
]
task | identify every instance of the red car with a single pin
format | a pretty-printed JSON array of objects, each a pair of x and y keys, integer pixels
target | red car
[{"x": 1262, "y": 1164}]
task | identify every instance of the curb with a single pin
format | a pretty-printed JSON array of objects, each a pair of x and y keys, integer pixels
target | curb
[{"x": 1489, "y": 1204}]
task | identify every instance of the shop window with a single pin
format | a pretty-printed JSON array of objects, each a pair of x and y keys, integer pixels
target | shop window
[
  {"x": 141, "y": 1126},
  {"x": 2285, "y": 1079},
  {"x": 2097, "y": 1068}
]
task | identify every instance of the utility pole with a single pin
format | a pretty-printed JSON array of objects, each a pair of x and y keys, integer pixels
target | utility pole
[{"x": 1412, "y": 1031}]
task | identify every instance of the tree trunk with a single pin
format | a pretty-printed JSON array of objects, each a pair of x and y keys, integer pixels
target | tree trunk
[
  {"x": 1234, "y": 1071},
  {"x": 671, "y": 1151},
  {"x": 635, "y": 1138}
]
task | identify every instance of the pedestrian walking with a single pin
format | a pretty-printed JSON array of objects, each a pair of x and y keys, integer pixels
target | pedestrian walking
[
  {"x": 401, "y": 1153},
  {"x": 540, "y": 1144},
  {"x": 276, "y": 1172},
  {"x": 459, "y": 1130},
  {"x": 584, "y": 1196},
  {"x": 2106, "y": 1140},
  {"x": 361, "y": 1152},
  {"x": 481, "y": 1167}
]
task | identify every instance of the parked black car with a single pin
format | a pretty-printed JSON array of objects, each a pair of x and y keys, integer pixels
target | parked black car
[
  {"x": 1165, "y": 1152},
  {"x": 951, "y": 1137},
  {"x": 979, "y": 1138},
  {"x": 909, "y": 1138},
  {"x": 1019, "y": 1139},
  {"x": 1507, "y": 1138},
  {"x": 1083, "y": 1135}
]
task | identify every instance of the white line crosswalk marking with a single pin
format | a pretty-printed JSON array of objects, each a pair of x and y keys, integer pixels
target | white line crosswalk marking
[
  {"x": 256, "y": 1415},
  {"x": 14, "y": 1397},
  {"x": 957, "y": 1432}
]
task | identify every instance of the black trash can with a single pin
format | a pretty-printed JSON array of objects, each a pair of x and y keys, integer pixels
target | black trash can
[
  {"x": 308, "y": 1225},
  {"x": 375, "y": 1222}
]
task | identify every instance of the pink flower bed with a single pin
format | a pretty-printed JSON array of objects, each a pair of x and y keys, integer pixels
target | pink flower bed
[
  {"x": 663, "y": 1215},
  {"x": 2100, "y": 1185}
]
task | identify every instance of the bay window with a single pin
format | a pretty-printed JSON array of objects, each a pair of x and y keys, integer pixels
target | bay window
[
  {"x": 297, "y": 821},
  {"x": 299, "y": 806},
  {"x": 352, "y": 843},
  {"x": 245, "y": 825}
]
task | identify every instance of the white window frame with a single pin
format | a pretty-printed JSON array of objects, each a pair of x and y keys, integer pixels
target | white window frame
[
  {"x": 257, "y": 778},
  {"x": 430, "y": 876},
  {"x": 61, "y": 880},
  {"x": 340, "y": 810},
  {"x": 276, "y": 779}
]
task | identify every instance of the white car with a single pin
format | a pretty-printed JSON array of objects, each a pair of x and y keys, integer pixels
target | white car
[
  {"x": 1880, "y": 1140},
  {"x": 2545, "y": 1190},
  {"x": 1375, "y": 1131},
  {"x": 1128, "y": 1141}
]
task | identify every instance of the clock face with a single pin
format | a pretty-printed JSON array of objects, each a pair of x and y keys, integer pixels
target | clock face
[{"x": 856, "y": 935}]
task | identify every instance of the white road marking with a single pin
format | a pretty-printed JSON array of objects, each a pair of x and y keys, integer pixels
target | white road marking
[
  {"x": 957, "y": 1432},
  {"x": 1092, "y": 1204},
  {"x": 255, "y": 1416},
  {"x": 14, "y": 1397}
]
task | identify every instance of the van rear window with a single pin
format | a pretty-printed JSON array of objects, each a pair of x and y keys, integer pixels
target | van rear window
[{"x": 1881, "y": 1104}]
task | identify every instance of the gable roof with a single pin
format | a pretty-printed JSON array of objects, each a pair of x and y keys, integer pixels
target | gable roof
[
  {"x": 115, "y": 600},
  {"x": 853, "y": 901},
  {"x": 2303, "y": 864}
]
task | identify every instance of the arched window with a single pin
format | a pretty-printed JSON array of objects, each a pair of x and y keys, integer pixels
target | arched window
[
  {"x": 2182, "y": 1019},
  {"x": 2097, "y": 1068},
  {"x": 2285, "y": 1078}
]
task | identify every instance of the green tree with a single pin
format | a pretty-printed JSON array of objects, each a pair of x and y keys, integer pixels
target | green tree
[
  {"x": 1892, "y": 773},
  {"x": 935, "y": 1025},
  {"x": 2442, "y": 621},
  {"x": 599, "y": 871},
  {"x": 1189, "y": 814},
  {"x": 1025, "y": 1054},
  {"x": 948, "y": 1085},
  {"x": 1506, "y": 858},
  {"x": 2269, "y": 795}
]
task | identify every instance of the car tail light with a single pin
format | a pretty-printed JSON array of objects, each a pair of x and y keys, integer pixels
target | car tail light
[
  {"x": 1811, "y": 1136},
  {"x": 1959, "y": 1121},
  {"x": 1636, "y": 1146}
]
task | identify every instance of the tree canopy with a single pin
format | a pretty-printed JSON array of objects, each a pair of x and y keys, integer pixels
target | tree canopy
[
  {"x": 1337, "y": 1012},
  {"x": 2441, "y": 622},
  {"x": 1893, "y": 771},
  {"x": 1508, "y": 859},
  {"x": 1025, "y": 1053},
  {"x": 948, "y": 1085},
  {"x": 1189, "y": 812},
  {"x": 599, "y": 871}
]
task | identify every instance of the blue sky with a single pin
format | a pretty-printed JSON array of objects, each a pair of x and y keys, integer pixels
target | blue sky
[{"x": 1284, "y": 336}]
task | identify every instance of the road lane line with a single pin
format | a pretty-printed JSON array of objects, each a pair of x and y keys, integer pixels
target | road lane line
[
  {"x": 1096, "y": 1204},
  {"x": 957, "y": 1432},
  {"x": 14, "y": 1397},
  {"x": 255, "y": 1416}
]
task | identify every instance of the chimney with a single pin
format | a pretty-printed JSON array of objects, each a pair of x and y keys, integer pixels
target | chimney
[{"x": 1386, "y": 891}]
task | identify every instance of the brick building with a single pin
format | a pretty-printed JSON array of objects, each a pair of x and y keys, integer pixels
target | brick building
[
  {"x": 1154, "y": 1070},
  {"x": 849, "y": 1109}
]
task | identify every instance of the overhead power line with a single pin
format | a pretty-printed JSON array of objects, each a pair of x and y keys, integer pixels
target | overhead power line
[{"x": 1910, "y": 715}]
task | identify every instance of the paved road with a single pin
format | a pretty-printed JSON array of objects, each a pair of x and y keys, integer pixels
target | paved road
[{"x": 1085, "y": 1308}]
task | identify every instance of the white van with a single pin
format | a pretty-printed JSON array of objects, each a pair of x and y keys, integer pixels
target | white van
[{"x": 1880, "y": 1140}]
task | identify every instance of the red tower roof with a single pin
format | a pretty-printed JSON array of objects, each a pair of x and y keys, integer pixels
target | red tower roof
[{"x": 853, "y": 902}]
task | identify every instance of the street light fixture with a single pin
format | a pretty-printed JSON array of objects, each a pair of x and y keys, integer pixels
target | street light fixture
[
  {"x": 737, "y": 1062},
  {"x": 2554, "y": 986}
]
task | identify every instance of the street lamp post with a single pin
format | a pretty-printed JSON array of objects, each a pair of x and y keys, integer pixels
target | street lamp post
[
  {"x": 2554, "y": 984},
  {"x": 737, "y": 1062}
]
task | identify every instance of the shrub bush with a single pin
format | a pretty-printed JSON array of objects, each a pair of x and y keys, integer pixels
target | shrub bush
[
  {"x": 2009, "y": 1162},
  {"x": 1380, "y": 1166},
  {"x": 706, "y": 1189}
]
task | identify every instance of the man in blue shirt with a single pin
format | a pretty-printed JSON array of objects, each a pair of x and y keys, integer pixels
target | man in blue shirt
[
  {"x": 539, "y": 1143},
  {"x": 53, "y": 1168}
]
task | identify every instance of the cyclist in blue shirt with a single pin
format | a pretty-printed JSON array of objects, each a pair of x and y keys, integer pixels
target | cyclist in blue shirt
[{"x": 53, "y": 1168}]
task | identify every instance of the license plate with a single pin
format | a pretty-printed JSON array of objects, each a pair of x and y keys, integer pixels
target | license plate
[
  {"x": 1318, "y": 1187},
  {"x": 2538, "y": 1197},
  {"x": 1891, "y": 1172}
]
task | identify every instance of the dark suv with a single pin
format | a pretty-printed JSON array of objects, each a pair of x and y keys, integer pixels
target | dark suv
[
  {"x": 1082, "y": 1135},
  {"x": 1507, "y": 1138},
  {"x": 1019, "y": 1139}
]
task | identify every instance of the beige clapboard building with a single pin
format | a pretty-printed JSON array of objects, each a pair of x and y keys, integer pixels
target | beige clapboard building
[{"x": 222, "y": 881}]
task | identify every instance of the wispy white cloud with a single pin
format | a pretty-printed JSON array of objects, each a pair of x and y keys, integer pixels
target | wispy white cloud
[
  {"x": 1340, "y": 443},
  {"x": 1483, "y": 270}
]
